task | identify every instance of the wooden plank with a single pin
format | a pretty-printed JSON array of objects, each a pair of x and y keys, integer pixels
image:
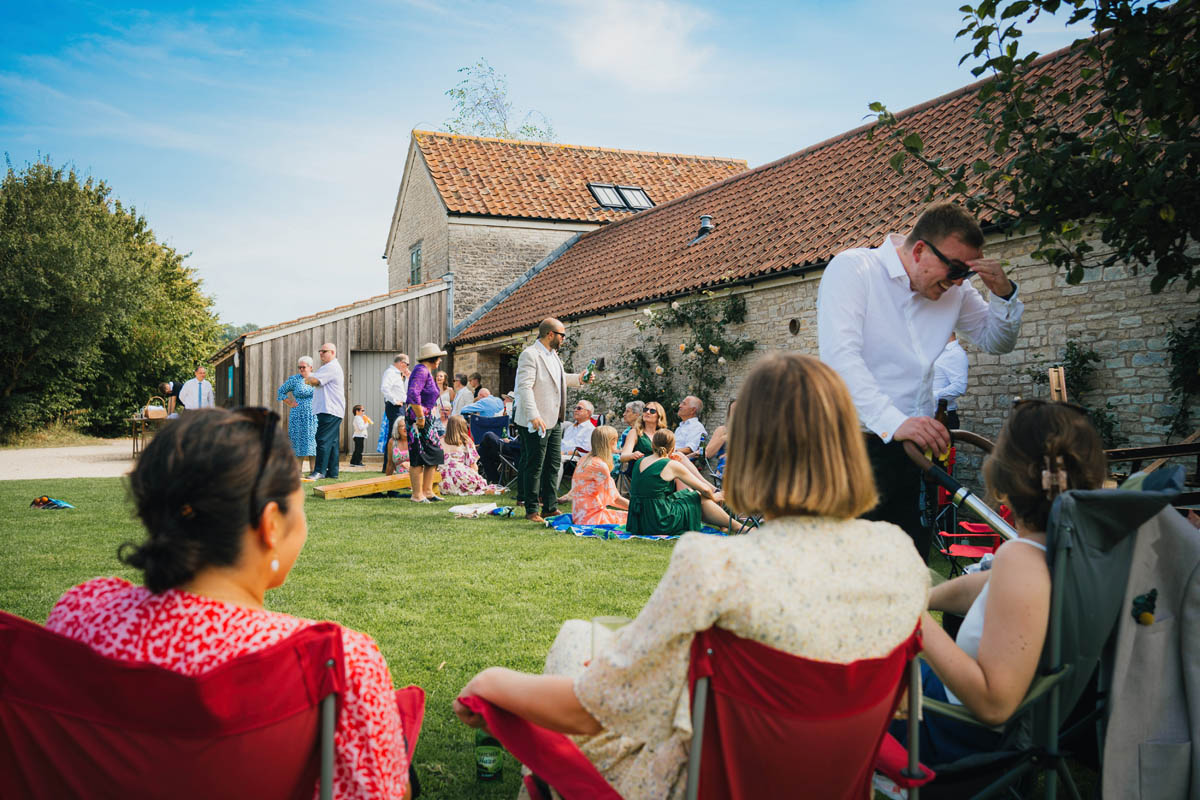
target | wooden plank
[
  {"x": 1058, "y": 385},
  {"x": 366, "y": 486},
  {"x": 1156, "y": 464}
]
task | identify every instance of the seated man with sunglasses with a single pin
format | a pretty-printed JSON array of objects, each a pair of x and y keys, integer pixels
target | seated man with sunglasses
[{"x": 884, "y": 315}]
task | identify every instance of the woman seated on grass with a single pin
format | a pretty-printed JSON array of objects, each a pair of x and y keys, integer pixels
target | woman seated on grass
[
  {"x": 639, "y": 442},
  {"x": 221, "y": 501},
  {"x": 666, "y": 498},
  {"x": 813, "y": 581},
  {"x": 1043, "y": 449},
  {"x": 459, "y": 473},
  {"x": 592, "y": 487}
]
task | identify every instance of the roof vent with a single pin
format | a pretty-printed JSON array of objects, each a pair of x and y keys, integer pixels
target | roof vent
[{"x": 706, "y": 227}]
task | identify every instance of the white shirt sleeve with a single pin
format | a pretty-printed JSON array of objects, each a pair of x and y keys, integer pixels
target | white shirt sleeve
[
  {"x": 992, "y": 325},
  {"x": 688, "y": 434},
  {"x": 950, "y": 374},
  {"x": 841, "y": 322}
]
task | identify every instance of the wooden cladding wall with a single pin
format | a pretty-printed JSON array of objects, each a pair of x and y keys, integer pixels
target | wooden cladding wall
[{"x": 401, "y": 327}]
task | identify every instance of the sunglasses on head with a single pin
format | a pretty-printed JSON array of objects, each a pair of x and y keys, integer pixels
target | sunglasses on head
[
  {"x": 267, "y": 421},
  {"x": 958, "y": 269}
]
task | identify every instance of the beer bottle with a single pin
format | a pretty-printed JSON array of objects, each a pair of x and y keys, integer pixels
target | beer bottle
[
  {"x": 942, "y": 415},
  {"x": 489, "y": 757}
]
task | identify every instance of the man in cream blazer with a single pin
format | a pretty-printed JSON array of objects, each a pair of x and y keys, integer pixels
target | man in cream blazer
[{"x": 540, "y": 405}]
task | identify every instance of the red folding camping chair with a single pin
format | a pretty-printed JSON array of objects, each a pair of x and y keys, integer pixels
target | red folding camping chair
[
  {"x": 765, "y": 724},
  {"x": 74, "y": 723}
]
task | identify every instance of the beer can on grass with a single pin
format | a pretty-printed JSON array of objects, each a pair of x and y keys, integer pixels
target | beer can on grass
[{"x": 489, "y": 757}]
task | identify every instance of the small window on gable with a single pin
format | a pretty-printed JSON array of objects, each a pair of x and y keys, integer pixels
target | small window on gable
[
  {"x": 414, "y": 265},
  {"x": 635, "y": 197},
  {"x": 621, "y": 198}
]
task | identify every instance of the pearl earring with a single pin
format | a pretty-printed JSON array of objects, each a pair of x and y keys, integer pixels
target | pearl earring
[{"x": 274, "y": 565}]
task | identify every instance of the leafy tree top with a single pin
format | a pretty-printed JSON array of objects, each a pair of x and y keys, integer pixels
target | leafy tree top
[
  {"x": 482, "y": 108},
  {"x": 1130, "y": 166}
]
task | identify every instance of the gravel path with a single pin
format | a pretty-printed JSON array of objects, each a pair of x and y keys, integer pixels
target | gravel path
[{"x": 111, "y": 460}]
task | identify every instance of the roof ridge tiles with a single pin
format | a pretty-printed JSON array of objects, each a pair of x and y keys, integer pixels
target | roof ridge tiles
[{"x": 596, "y": 148}]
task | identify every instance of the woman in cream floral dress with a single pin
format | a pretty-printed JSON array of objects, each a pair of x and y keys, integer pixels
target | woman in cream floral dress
[
  {"x": 592, "y": 487},
  {"x": 459, "y": 473},
  {"x": 813, "y": 581}
]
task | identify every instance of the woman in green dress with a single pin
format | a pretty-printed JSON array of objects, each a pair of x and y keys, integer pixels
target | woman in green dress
[
  {"x": 638, "y": 444},
  {"x": 658, "y": 503}
]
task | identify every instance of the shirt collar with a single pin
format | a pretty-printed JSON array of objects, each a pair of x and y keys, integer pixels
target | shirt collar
[
  {"x": 891, "y": 258},
  {"x": 545, "y": 349}
]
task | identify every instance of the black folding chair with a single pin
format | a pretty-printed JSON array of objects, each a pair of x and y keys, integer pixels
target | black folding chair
[{"x": 480, "y": 427}]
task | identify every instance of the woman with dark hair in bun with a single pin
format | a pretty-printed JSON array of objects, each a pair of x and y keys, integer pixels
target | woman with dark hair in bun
[{"x": 221, "y": 501}]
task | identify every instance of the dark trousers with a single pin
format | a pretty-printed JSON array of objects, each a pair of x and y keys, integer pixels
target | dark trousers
[
  {"x": 898, "y": 481},
  {"x": 391, "y": 413},
  {"x": 490, "y": 448},
  {"x": 538, "y": 469},
  {"x": 329, "y": 429},
  {"x": 356, "y": 458}
]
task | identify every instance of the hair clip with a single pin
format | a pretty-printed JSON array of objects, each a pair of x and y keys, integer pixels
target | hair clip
[
  {"x": 186, "y": 511},
  {"x": 1054, "y": 482}
]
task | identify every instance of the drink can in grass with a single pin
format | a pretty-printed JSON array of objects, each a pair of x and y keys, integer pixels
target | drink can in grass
[{"x": 489, "y": 757}]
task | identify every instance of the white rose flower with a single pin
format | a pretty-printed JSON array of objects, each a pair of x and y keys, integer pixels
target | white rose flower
[
  {"x": 658, "y": 370},
  {"x": 675, "y": 305},
  {"x": 721, "y": 360}
]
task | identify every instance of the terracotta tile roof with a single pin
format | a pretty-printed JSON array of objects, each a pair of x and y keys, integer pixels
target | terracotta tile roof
[
  {"x": 796, "y": 212},
  {"x": 541, "y": 180}
]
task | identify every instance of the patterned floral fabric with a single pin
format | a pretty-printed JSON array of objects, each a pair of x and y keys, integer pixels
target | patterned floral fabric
[
  {"x": 460, "y": 474},
  {"x": 191, "y": 635},
  {"x": 302, "y": 422},
  {"x": 825, "y": 589},
  {"x": 592, "y": 491}
]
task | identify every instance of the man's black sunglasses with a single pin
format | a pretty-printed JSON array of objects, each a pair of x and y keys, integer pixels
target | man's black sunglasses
[
  {"x": 958, "y": 269},
  {"x": 268, "y": 421}
]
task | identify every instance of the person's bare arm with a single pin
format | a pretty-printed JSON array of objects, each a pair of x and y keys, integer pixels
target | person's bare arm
[
  {"x": 545, "y": 700},
  {"x": 716, "y": 442},
  {"x": 627, "y": 453},
  {"x": 677, "y": 471},
  {"x": 1017, "y": 615},
  {"x": 956, "y": 596}
]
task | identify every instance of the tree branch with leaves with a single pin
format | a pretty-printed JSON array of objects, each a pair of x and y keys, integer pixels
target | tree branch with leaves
[
  {"x": 1114, "y": 149},
  {"x": 482, "y": 108}
]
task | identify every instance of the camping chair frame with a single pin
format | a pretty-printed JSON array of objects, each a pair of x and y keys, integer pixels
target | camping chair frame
[{"x": 500, "y": 426}]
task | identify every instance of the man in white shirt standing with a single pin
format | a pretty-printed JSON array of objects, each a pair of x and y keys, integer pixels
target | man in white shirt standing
[
  {"x": 329, "y": 404},
  {"x": 884, "y": 315},
  {"x": 463, "y": 396},
  {"x": 950, "y": 379},
  {"x": 541, "y": 400},
  {"x": 691, "y": 431},
  {"x": 197, "y": 392},
  {"x": 394, "y": 388}
]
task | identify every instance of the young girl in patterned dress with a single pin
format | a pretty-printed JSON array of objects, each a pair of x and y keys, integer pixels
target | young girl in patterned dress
[
  {"x": 459, "y": 472},
  {"x": 225, "y": 524}
]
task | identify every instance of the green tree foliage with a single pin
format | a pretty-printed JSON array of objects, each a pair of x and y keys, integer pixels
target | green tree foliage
[
  {"x": 482, "y": 108},
  {"x": 1130, "y": 163},
  {"x": 229, "y": 331},
  {"x": 696, "y": 363},
  {"x": 93, "y": 311}
]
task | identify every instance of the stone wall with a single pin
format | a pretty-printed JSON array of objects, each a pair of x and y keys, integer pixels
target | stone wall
[
  {"x": 1112, "y": 312},
  {"x": 422, "y": 220},
  {"x": 487, "y": 258}
]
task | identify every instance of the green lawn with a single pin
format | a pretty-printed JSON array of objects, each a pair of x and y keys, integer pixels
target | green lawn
[{"x": 443, "y": 597}]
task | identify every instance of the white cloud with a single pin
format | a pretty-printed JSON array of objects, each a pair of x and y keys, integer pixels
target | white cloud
[{"x": 644, "y": 44}]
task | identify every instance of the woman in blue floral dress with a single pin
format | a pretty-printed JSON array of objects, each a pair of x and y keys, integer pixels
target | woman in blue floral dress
[{"x": 302, "y": 422}]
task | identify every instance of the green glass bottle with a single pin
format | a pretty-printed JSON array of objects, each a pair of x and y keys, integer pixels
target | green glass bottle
[{"x": 489, "y": 757}]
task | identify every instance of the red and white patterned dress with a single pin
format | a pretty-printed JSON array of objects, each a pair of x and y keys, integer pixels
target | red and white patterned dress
[{"x": 191, "y": 635}]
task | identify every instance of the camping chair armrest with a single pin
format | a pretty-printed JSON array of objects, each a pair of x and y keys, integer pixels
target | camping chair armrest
[
  {"x": 955, "y": 712},
  {"x": 1041, "y": 685}
]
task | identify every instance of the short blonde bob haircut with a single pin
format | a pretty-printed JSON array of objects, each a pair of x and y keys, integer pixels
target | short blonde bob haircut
[{"x": 795, "y": 447}]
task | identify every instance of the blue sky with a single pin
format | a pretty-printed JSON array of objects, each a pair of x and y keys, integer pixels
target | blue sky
[{"x": 268, "y": 139}]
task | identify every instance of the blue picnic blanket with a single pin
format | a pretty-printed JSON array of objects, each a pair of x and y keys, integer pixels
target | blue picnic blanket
[{"x": 562, "y": 522}]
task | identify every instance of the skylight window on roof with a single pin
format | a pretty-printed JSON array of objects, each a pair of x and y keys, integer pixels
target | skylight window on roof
[
  {"x": 635, "y": 197},
  {"x": 606, "y": 195},
  {"x": 623, "y": 198}
]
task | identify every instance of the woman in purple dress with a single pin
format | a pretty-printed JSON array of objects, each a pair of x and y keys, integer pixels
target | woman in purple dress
[{"x": 424, "y": 442}]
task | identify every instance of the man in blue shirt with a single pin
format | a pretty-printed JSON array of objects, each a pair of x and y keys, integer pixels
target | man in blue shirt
[{"x": 485, "y": 405}]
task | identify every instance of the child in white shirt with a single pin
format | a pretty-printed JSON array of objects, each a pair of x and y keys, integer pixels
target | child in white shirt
[{"x": 361, "y": 421}]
